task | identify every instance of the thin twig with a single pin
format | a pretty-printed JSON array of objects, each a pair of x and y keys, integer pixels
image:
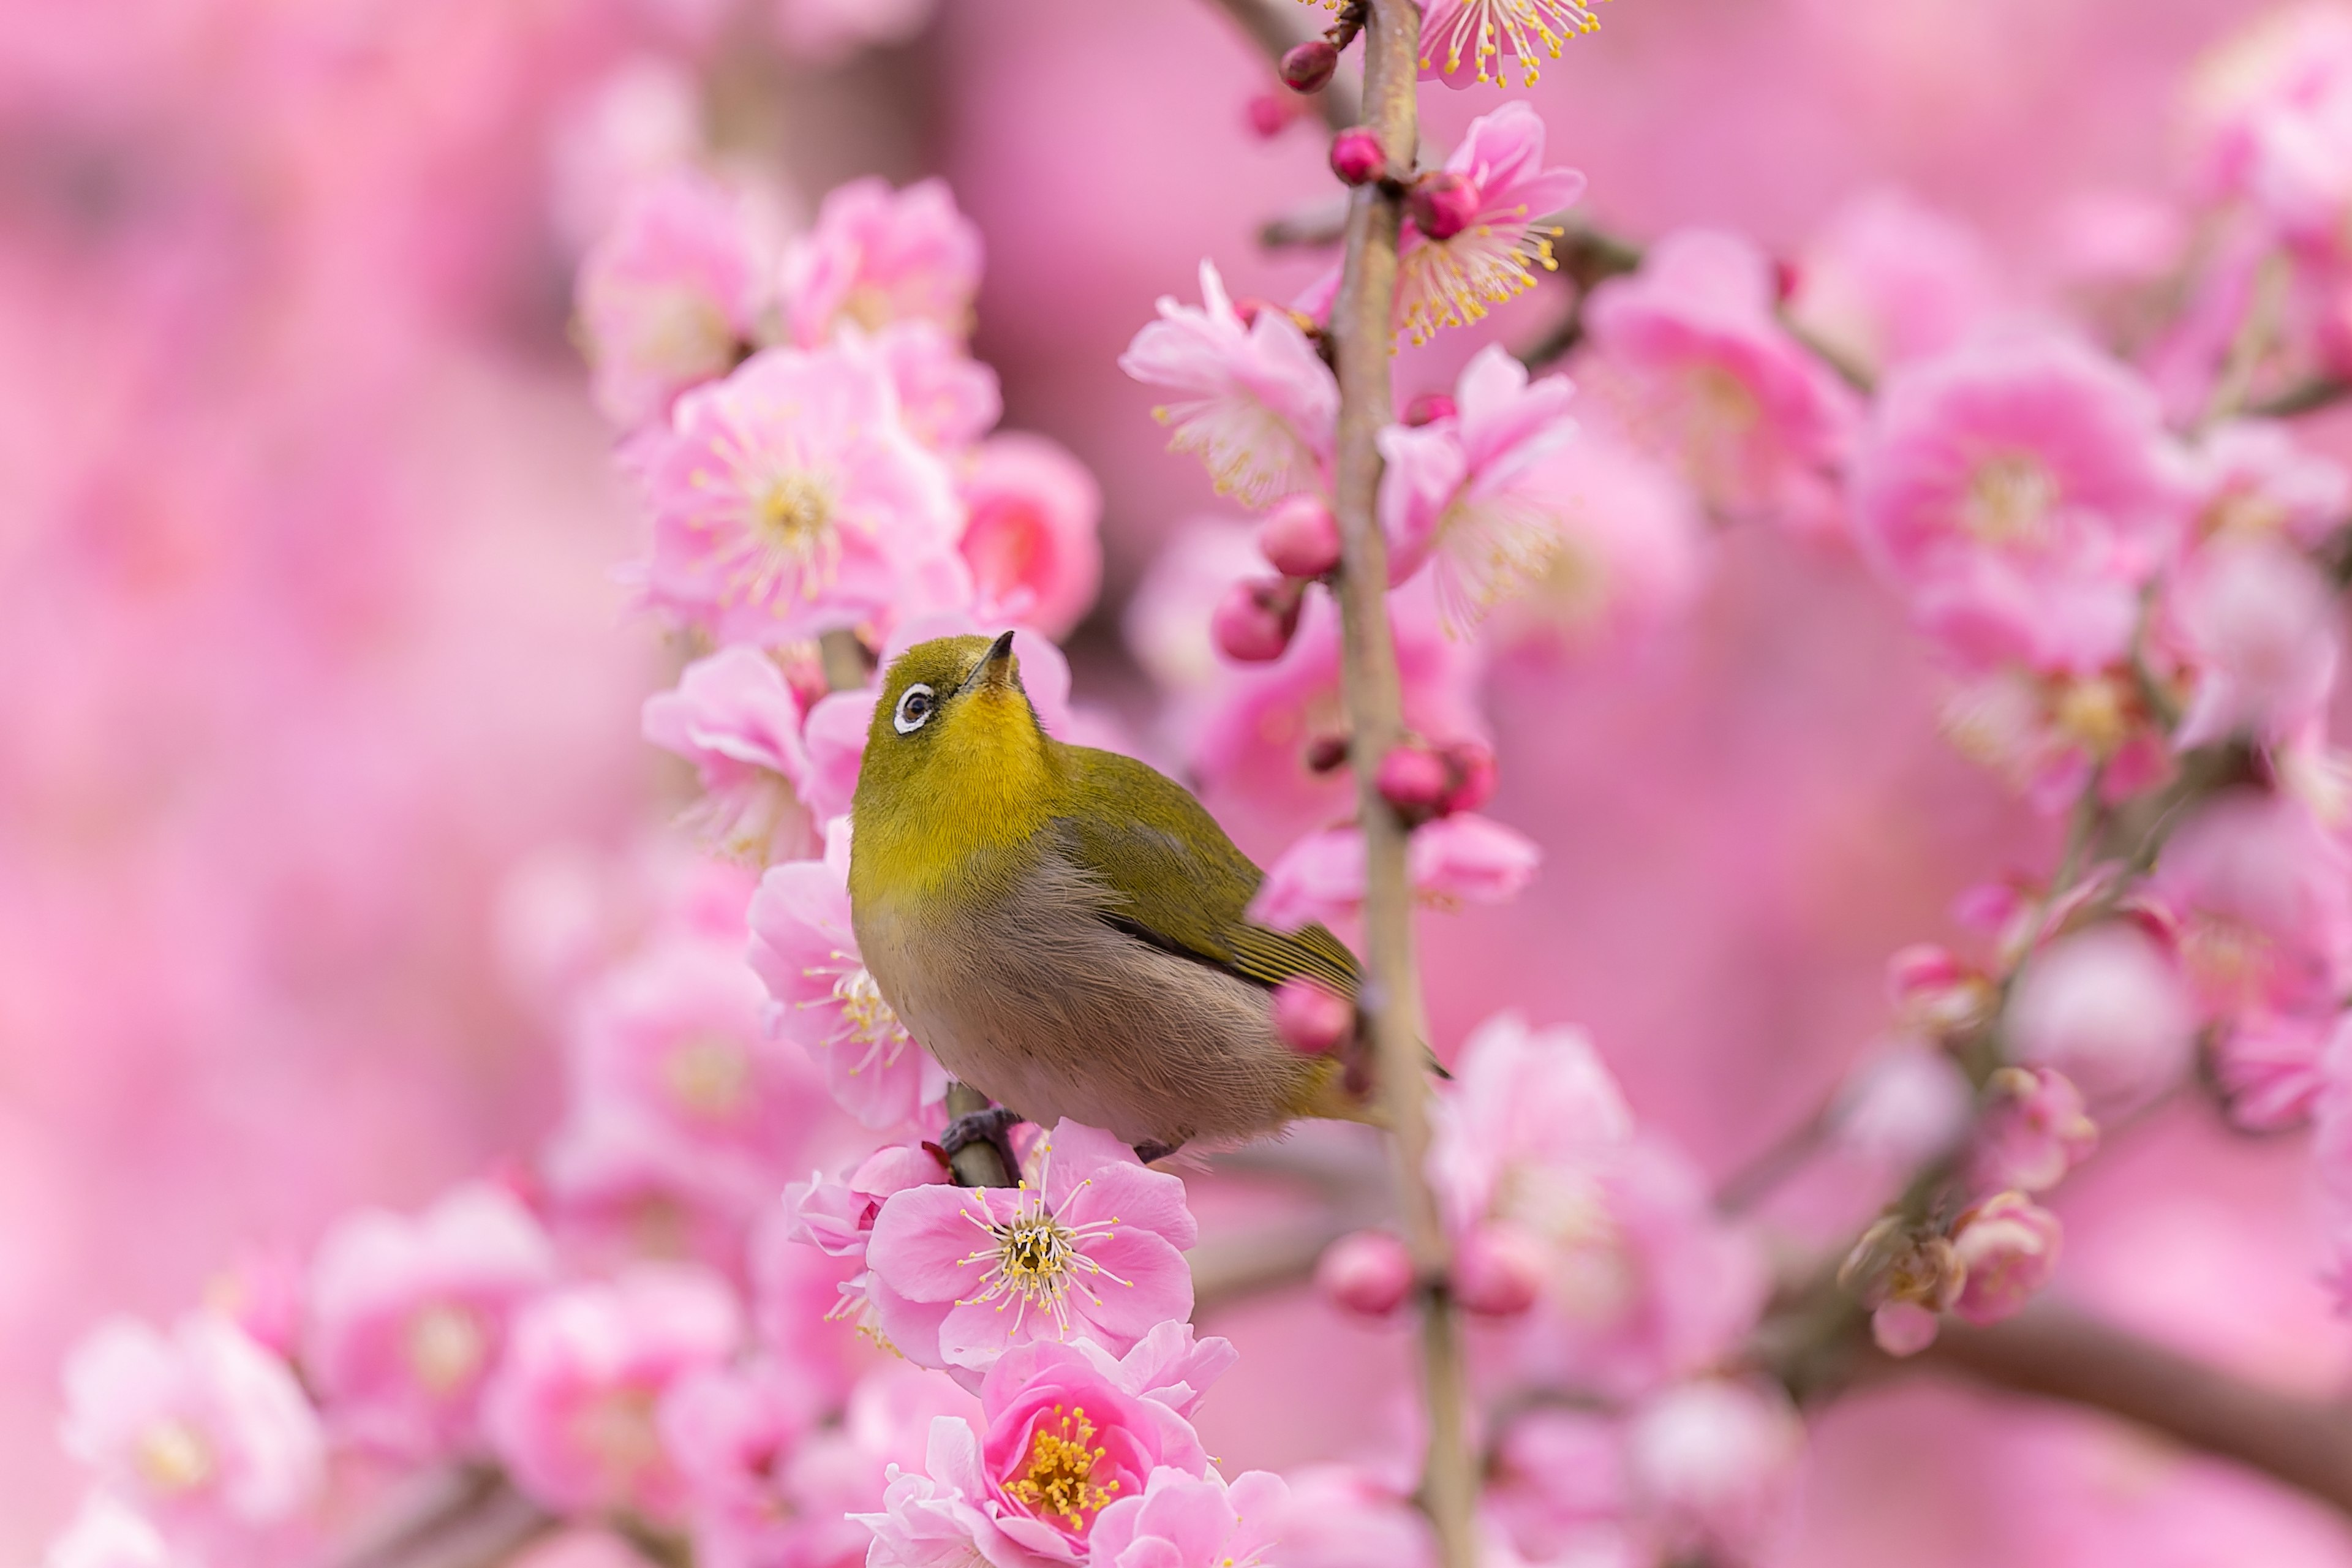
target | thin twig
[
  {"x": 2305, "y": 397},
  {"x": 1390, "y": 997},
  {"x": 1275, "y": 25},
  {"x": 1762, "y": 1174}
]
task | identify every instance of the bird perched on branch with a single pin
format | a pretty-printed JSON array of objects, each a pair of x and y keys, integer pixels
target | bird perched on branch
[{"x": 1063, "y": 928}]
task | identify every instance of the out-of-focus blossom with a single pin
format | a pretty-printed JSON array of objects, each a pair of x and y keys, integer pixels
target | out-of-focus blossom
[
  {"x": 1756, "y": 420},
  {"x": 108, "y": 1533},
  {"x": 1031, "y": 515},
  {"x": 1367, "y": 1272},
  {"x": 1906, "y": 1105},
  {"x": 2271, "y": 1071},
  {"x": 1906, "y": 1276},
  {"x": 668, "y": 297},
  {"x": 572, "y": 1411},
  {"x": 2046, "y": 733},
  {"x": 1711, "y": 1465},
  {"x": 729, "y": 1430},
  {"x": 408, "y": 1317},
  {"x": 2252, "y": 476},
  {"x": 2292, "y": 58},
  {"x": 2264, "y": 904},
  {"x": 204, "y": 1431},
  {"x": 1261, "y": 409},
  {"x": 823, "y": 999},
  {"x": 1091, "y": 1246},
  {"x": 738, "y": 720},
  {"x": 2258, "y": 627},
  {"x": 946, "y": 399},
  {"x": 1458, "y": 860},
  {"x": 2032, "y": 1130},
  {"x": 1466, "y": 41},
  {"x": 826, "y": 32},
  {"x": 1558, "y": 1488},
  {"x": 1338, "y": 1516},
  {"x": 876, "y": 255},
  {"x": 1468, "y": 491},
  {"x": 2108, "y": 1009},
  {"x": 1523, "y": 1095},
  {"x": 789, "y": 500},
  {"x": 1166, "y": 623},
  {"x": 2008, "y": 1248},
  {"x": 1504, "y": 194},
  {"x": 1889, "y": 279},
  {"x": 2018, "y": 491},
  {"x": 1182, "y": 1521}
]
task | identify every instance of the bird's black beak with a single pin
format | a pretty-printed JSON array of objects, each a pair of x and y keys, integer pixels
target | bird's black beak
[{"x": 996, "y": 666}]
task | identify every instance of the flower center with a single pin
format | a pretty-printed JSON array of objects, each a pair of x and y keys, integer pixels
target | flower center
[
  {"x": 1033, "y": 1259},
  {"x": 2094, "y": 711},
  {"x": 448, "y": 1343},
  {"x": 2010, "y": 498},
  {"x": 684, "y": 331},
  {"x": 792, "y": 511},
  {"x": 709, "y": 1076},
  {"x": 1060, "y": 1479},
  {"x": 617, "y": 1432},
  {"x": 173, "y": 1458}
]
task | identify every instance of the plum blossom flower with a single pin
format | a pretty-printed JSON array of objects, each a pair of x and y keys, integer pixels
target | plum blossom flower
[
  {"x": 572, "y": 1411},
  {"x": 408, "y": 1317},
  {"x": 946, "y": 399},
  {"x": 2264, "y": 907},
  {"x": 2032, "y": 1131},
  {"x": 2252, "y": 476},
  {"x": 1458, "y": 860},
  {"x": 106, "y": 1533},
  {"x": 729, "y": 1429},
  {"x": 1890, "y": 279},
  {"x": 788, "y": 499},
  {"x": 2047, "y": 732},
  {"x": 2008, "y": 1248},
  {"x": 823, "y": 999},
  {"x": 1261, "y": 408},
  {"x": 1090, "y": 1245},
  {"x": 1183, "y": 1521},
  {"x": 668, "y": 297},
  {"x": 2019, "y": 491},
  {"x": 1467, "y": 491},
  {"x": 205, "y": 1432},
  {"x": 736, "y": 718},
  {"x": 2270, "y": 1071},
  {"x": 2109, "y": 1010},
  {"x": 1906, "y": 1276},
  {"x": 1536, "y": 1093},
  {"x": 1505, "y": 194},
  {"x": 1711, "y": 1465},
  {"x": 1480, "y": 34},
  {"x": 1031, "y": 516},
  {"x": 875, "y": 256},
  {"x": 2258, "y": 627},
  {"x": 1755, "y": 419}
]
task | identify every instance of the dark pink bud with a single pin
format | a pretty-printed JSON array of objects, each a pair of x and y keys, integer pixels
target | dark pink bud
[
  {"x": 1429, "y": 408},
  {"x": 1498, "y": 1270},
  {"x": 1255, "y": 619},
  {"x": 1357, "y": 156},
  {"x": 1307, "y": 66},
  {"x": 1443, "y": 204},
  {"x": 1368, "y": 1272},
  {"x": 1311, "y": 1018},
  {"x": 1787, "y": 278},
  {"x": 1470, "y": 777},
  {"x": 1325, "y": 752},
  {"x": 1412, "y": 780},
  {"x": 1301, "y": 537},
  {"x": 1270, "y": 112}
]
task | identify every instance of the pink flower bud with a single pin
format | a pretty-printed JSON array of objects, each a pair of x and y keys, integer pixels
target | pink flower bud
[
  {"x": 1301, "y": 538},
  {"x": 1326, "y": 753},
  {"x": 1254, "y": 621},
  {"x": 1498, "y": 1270},
  {"x": 1443, "y": 204},
  {"x": 1270, "y": 113},
  {"x": 1357, "y": 157},
  {"x": 1368, "y": 1272},
  {"x": 1428, "y": 408},
  {"x": 1470, "y": 774},
  {"x": 2008, "y": 1246},
  {"x": 2033, "y": 1130},
  {"x": 1903, "y": 1328},
  {"x": 1935, "y": 992},
  {"x": 1307, "y": 66},
  {"x": 1311, "y": 1018},
  {"x": 1414, "y": 780}
]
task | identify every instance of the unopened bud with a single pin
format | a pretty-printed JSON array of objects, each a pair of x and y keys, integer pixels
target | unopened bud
[
  {"x": 1428, "y": 408},
  {"x": 1311, "y": 1018},
  {"x": 1271, "y": 112},
  {"x": 1443, "y": 204},
  {"x": 1470, "y": 777},
  {"x": 1254, "y": 620},
  {"x": 1308, "y": 66},
  {"x": 1357, "y": 157},
  {"x": 1412, "y": 780},
  {"x": 2008, "y": 1248},
  {"x": 1301, "y": 538},
  {"x": 1902, "y": 1328},
  {"x": 1325, "y": 752},
  {"x": 1498, "y": 1270},
  {"x": 1367, "y": 1272},
  {"x": 1787, "y": 278}
]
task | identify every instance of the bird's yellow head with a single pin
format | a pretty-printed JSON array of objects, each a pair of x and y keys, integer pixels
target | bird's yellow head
[{"x": 955, "y": 762}]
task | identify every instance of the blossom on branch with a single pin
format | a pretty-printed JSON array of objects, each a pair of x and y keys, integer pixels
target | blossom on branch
[
  {"x": 1501, "y": 195},
  {"x": 876, "y": 257}
]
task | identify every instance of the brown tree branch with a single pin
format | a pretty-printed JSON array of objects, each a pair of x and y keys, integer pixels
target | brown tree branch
[{"x": 2305, "y": 397}]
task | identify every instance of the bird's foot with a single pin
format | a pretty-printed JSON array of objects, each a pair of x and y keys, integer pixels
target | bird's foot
[
  {"x": 1148, "y": 1151},
  {"x": 993, "y": 1127}
]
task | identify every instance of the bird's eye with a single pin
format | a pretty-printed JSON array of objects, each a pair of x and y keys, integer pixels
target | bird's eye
[{"x": 914, "y": 708}]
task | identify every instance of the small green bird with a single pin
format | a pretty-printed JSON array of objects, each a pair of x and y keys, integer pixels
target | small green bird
[{"x": 1063, "y": 928}]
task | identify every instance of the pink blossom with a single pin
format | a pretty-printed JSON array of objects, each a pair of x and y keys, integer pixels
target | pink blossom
[
  {"x": 1904, "y": 1106},
  {"x": 1755, "y": 419},
  {"x": 1713, "y": 1465},
  {"x": 1166, "y": 621},
  {"x": 2032, "y": 1131},
  {"x": 1339, "y": 1516},
  {"x": 738, "y": 720},
  {"x": 1091, "y": 1246},
  {"x": 408, "y": 1317},
  {"x": 1479, "y": 34},
  {"x": 2252, "y": 476},
  {"x": 1261, "y": 408},
  {"x": 1903, "y": 1329},
  {"x": 2270, "y": 1070},
  {"x": 2292, "y": 58},
  {"x": 1558, "y": 1490},
  {"x": 2047, "y": 732},
  {"x": 1032, "y": 511},
  {"x": 877, "y": 256},
  {"x": 729, "y": 1430},
  {"x": 107, "y": 1534},
  {"x": 788, "y": 499},
  {"x": 572, "y": 1410},
  {"x": 2109, "y": 1010},
  {"x": 1505, "y": 195},
  {"x": 202, "y": 1431},
  {"x": 1467, "y": 490},
  {"x": 667, "y": 298},
  {"x": 1367, "y": 1272},
  {"x": 1519, "y": 1097},
  {"x": 2264, "y": 905},
  {"x": 2257, "y": 625},
  {"x": 823, "y": 999},
  {"x": 1889, "y": 279},
  {"x": 828, "y": 32},
  {"x": 2020, "y": 492},
  {"x": 946, "y": 399},
  {"x": 2008, "y": 1246},
  {"x": 1458, "y": 860},
  {"x": 1182, "y": 1521}
]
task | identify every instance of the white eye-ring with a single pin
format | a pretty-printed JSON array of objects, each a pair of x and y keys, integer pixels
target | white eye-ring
[{"x": 914, "y": 708}]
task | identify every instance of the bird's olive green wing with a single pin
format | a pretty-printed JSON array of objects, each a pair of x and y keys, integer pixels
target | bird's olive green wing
[{"x": 1176, "y": 879}]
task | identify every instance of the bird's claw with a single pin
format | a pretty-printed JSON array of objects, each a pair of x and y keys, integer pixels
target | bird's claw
[{"x": 993, "y": 1127}]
